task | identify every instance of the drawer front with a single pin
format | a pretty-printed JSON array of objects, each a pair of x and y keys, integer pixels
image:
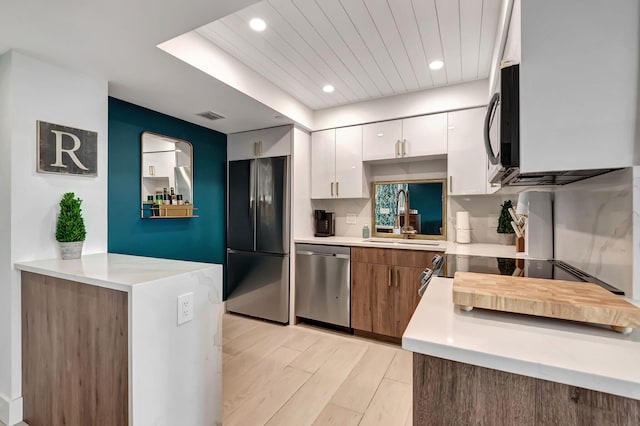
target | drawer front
[
  {"x": 412, "y": 258},
  {"x": 380, "y": 256},
  {"x": 396, "y": 257}
]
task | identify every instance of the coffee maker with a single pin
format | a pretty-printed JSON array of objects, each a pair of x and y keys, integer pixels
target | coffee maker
[{"x": 325, "y": 223}]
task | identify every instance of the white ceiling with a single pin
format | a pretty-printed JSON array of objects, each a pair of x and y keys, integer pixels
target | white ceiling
[
  {"x": 116, "y": 41},
  {"x": 364, "y": 48}
]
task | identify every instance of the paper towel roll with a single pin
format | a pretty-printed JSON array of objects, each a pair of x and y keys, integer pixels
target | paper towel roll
[
  {"x": 462, "y": 220},
  {"x": 463, "y": 236}
]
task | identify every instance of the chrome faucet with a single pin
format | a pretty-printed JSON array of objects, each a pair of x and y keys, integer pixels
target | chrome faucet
[{"x": 406, "y": 229}]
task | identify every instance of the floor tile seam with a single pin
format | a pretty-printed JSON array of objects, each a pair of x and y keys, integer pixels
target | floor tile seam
[{"x": 292, "y": 395}]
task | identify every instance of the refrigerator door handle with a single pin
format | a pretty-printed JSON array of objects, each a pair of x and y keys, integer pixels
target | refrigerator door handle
[{"x": 253, "y": 172}]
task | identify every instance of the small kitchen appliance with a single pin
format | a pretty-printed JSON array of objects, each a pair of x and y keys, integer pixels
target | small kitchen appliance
[
  {"x": 502, "y": 140},
  {"x": 325, "y": 223}
]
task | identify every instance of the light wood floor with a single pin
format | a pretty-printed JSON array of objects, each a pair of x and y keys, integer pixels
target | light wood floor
[{"x": 303, "y": 375}]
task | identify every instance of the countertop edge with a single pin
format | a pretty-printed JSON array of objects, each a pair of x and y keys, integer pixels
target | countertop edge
[
  {"x": 521, "y": 367},
  {"x": 571, "y": 353},
  {"x": 109, "y": 270},
  {"x": 127, "y": 288},
  {"x": 447, "y": 247}
]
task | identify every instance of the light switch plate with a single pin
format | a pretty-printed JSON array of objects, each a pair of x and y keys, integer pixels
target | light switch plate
[
  {"x": 352, "y": 218},
  {"x": 185, "y": 308}
]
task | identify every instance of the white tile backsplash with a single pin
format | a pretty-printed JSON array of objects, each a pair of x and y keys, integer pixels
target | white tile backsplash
[
  {"x": 484, "y": 211},
  {"x": 593, "y": 227}
]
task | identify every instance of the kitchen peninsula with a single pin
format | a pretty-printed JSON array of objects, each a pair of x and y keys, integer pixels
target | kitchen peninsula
[
  {"x": 103, "y": 341},
  {"x": 487, "y": 367}
]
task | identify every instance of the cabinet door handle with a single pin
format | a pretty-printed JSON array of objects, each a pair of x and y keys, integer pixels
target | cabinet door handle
[
  {"x": 398, "y": 148},
  {"x": 337, "y": 189},
  {"x": 152, "y": 172},
  {"x": 404, "y": 147},
  {"x": 260, "y": 148},
  {"x": 450, "y": 183},
  {"x": 332, "y": 189},
  {"x": 397, "y": 277},
  {"x": 255, "y": 149},
  {"x": 390, "y": 277}
]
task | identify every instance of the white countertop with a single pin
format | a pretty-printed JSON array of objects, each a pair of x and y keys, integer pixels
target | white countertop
[
  {"x": 110, "y": 270},
  {"x": 577, "y": 354},
  {"x": 449, "y": 247}
]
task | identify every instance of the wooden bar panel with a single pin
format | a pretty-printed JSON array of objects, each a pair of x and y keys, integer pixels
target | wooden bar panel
[
  {"x": 453, "y": 393},
  {"x": 570, "y": 405},
  {"x": 74, "y": 353}
]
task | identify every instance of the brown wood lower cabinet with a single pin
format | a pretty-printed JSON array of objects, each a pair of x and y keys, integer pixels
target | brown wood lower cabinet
[
  {"x": 74, "y": 353},
  {"x": 453, "y": 393},
  {"x": 384, "y": 288}
]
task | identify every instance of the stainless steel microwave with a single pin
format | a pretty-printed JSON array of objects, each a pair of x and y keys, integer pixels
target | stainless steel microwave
[
  {"x": 502, "y": 127},
  {"x": 502, "y": 140}
]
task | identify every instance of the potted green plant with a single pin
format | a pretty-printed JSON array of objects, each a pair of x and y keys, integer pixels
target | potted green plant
[
  {"x": 506, "y": 234},
  {"x": 70, "y": 230}
]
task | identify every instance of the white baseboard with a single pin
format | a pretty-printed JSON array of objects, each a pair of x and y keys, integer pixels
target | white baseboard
[{"x": 10, "y": 410}]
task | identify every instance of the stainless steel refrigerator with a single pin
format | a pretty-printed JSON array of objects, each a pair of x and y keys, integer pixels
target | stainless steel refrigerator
[{"x": 258, "y": 238}]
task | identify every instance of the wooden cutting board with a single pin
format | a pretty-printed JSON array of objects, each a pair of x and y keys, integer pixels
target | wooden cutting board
[{"x": 575, "y": 301}]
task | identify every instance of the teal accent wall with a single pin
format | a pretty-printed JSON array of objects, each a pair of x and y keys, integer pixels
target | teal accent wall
[
  {"x": 201, "y": 239},
  {"x": 427, "y": 199}
]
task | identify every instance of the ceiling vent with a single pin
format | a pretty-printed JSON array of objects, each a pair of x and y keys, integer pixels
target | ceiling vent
[{"x": 210, "y": 115}]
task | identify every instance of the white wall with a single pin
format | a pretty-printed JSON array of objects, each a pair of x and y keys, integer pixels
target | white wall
[
  {"x": 460, "y": 96},
  {"x": 43, "y": 92},
  {"x": 301, "y": 213},
  {"x": 593, "y": 227},
  {"x": 6, "y": 294}
]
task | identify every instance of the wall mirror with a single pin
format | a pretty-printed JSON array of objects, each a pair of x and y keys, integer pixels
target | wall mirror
[
  {"x": 167, "y": 177},
  {"x": 425, "y": 208}
]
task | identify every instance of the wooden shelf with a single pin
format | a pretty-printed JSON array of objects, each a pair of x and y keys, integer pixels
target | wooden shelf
[
  {"x": 164, "y": 211},
  {"x": 169, "y": 217}
]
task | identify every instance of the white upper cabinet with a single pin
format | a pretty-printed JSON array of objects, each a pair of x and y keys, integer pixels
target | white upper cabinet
[
  {"x": 350, "y": 176},
  {"x": 336, "y": 164},
  {"x": 271, "y": 142},
  {"x": 323, "y": 163},
  {"x": 467, "y": 158},
  {"x": 575, "y": 114},
  {"x": 407, "y": 138},
  {"x": 381, "y": 140},
  {"x": 425, "y": 135}
]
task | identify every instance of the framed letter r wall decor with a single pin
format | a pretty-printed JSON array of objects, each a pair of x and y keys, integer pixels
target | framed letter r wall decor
[{"x": 66, "y": 150}]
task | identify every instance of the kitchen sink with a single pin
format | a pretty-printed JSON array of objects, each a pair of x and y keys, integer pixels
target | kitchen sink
[{"x": 402, "y": 241}]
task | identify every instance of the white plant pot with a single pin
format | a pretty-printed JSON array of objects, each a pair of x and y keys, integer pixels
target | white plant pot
[
  {"x": 71, "y": 250},
  {"x": 507, "y": 239}
]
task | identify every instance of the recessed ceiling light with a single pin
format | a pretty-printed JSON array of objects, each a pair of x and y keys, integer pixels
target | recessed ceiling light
[
  {"x": 278, "y": 117},
  {"x": 380, "y": 135},
  {"x": 328, "y": 88},
  {"x": 257, "y": 24},
  {"x": 436, "y": 65}
]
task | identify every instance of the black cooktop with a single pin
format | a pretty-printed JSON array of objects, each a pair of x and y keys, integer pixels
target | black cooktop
[{"x": 548, "y": 269}]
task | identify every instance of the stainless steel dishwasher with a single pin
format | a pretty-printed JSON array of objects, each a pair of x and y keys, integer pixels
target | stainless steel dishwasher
[{"x": 323, "y": 283}]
